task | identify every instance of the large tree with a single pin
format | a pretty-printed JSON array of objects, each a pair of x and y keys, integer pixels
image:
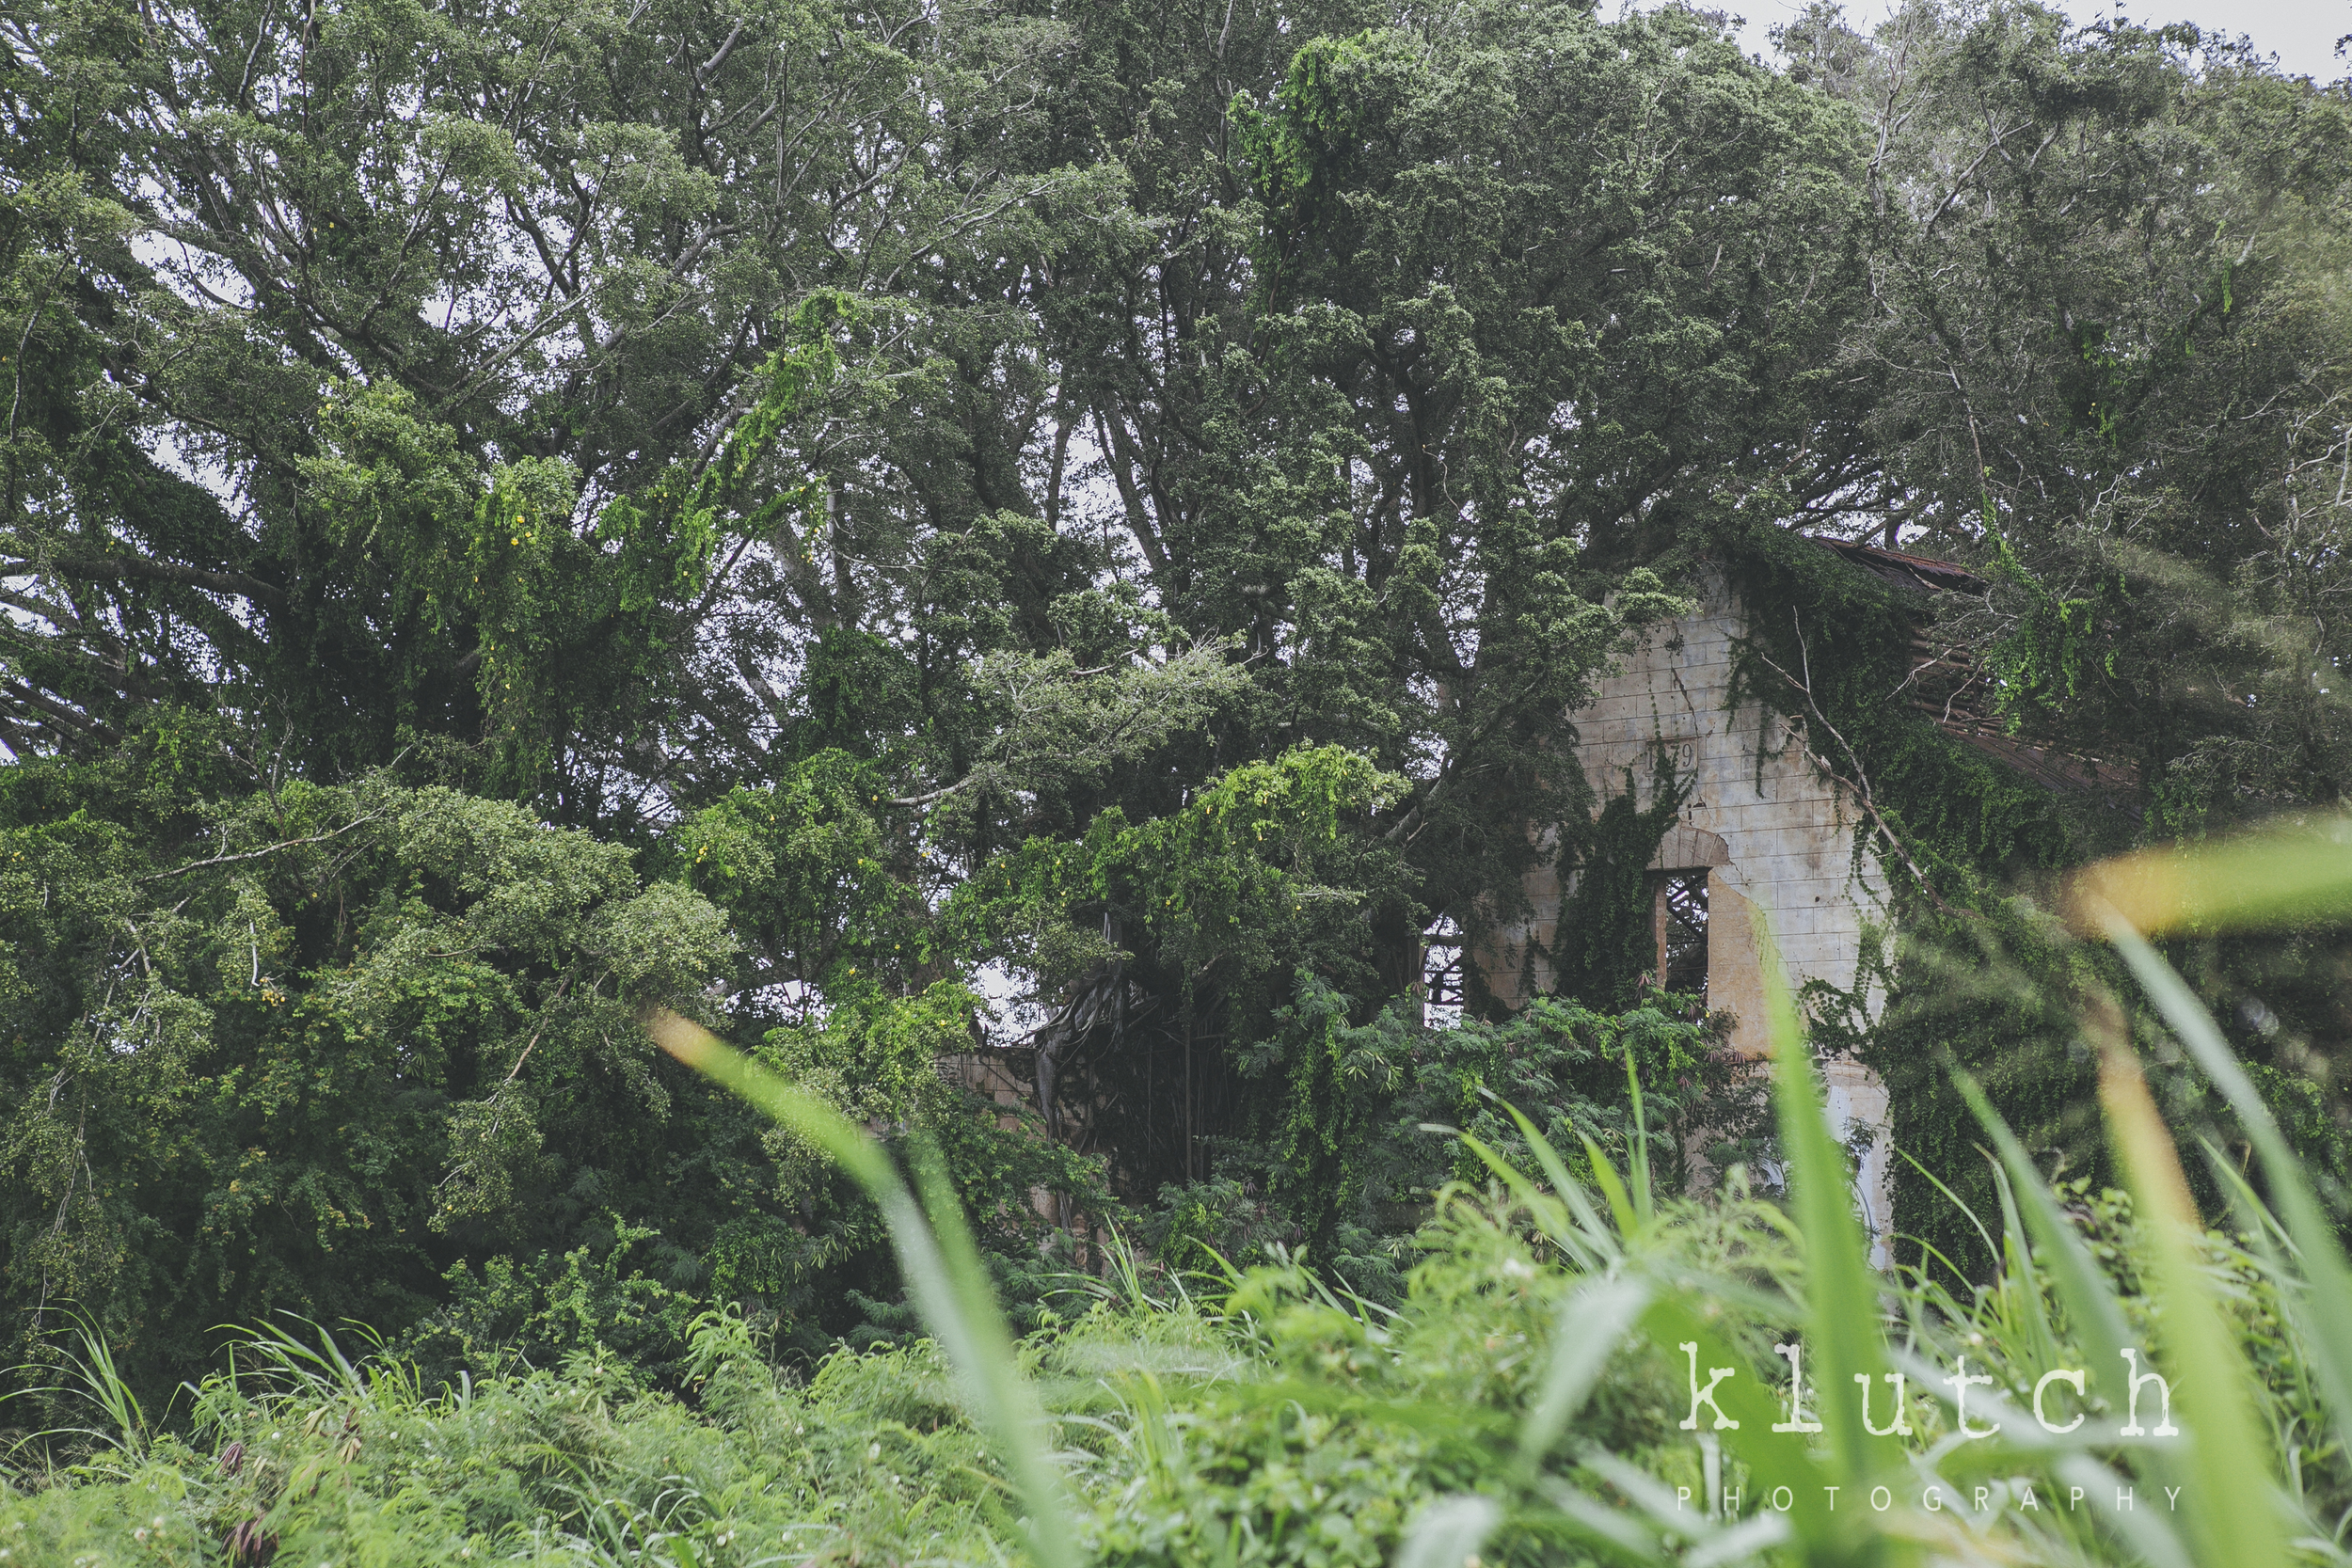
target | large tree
[
  {"x": 1118, "y": 496},
  {"x": 334, "y": 331},
  {"x": 2108, "y": 363}
]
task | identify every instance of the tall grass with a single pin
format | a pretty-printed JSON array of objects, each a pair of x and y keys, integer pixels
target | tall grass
[
  {"x": 1530, "y": 1402},
  {"x": 940, "y": 1263},
  {"x": 2054, "y": 1307}
]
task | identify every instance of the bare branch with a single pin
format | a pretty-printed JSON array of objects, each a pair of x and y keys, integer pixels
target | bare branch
[
  {"x": 1859, "y": 785},
  {"x": 257, "y": 854}
]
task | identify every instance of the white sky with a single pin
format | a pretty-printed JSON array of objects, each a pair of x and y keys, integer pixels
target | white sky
[{"x": 2300, "y": 33}]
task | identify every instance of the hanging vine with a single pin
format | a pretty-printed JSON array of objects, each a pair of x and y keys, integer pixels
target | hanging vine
[
  {"x": 1602, "y": 945},
  {"x": 1972, "y": 972}
]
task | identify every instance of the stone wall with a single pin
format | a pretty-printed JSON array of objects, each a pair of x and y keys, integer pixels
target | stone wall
[{"x": 1776, "y": 839}]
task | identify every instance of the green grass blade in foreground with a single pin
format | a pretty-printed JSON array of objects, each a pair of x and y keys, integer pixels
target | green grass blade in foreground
[
  {"x": 1599, "y": 1240},
  {"x": 2093, "y": 1310},
  {"x": 1574, "y": 1226},
  {"x": 1645, "y": 1201},
  {"x": 1620, "y": 1206},
  {"x": 2145, "y": 1532},
  {"x": 1449, "y": 1531},
  {"x": 1687, "y": 1327},
  {"x": 942, "y": 1273},
  {"x": 1592, "y": 1319},
  {"x": 2018, "y": 1264},
  {"x": 2328, "y": 1299},
  {"x": 1955, "y": 1200},
  {"x": 1842, "y": 1317},
  {"x": 2231, "y": 1501}
]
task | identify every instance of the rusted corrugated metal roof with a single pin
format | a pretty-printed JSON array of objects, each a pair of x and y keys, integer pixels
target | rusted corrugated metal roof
[{"x": 1920, "y": 572}]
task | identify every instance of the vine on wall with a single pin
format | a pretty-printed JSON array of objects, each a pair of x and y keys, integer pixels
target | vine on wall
[
  {"x": 1977, "y": 973},
  {"x": 1604, "y": 944},
  {"x": 1974, "y": 973}
]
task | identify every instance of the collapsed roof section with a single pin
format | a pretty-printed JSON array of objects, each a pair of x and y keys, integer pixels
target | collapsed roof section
[{"x": 1946, "y": 684}]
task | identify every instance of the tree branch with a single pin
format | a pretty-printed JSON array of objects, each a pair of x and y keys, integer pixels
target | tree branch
[
  {"x": 257, "y": 854},
  {"x": 111, "y": 569},
  {"x": 1860, "y": 784}
]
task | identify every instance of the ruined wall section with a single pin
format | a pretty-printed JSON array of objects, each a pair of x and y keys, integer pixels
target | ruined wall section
[
  {"x": 1776, "y": 838},
  {"x": 1774, "y": 835}
]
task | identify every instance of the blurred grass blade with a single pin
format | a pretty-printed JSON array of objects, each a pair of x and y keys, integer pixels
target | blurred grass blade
[
  {"x": 940, "y": 1263},
  {"x": 1842, "y": 1317},
  {"x": 1449, "y": 1531},
  {"x": 2328, "y": 1276},
  {"x": 1639, "y": 1487},
  {"x": 1741, "y": 1543},
  {"x": 2232, "y": 1507},
  {"x": 1606, "y": 1526},
  {"x": 1684, "y": 1327},
  {"x": 2093, "y": 1311},
  {"x": 2150, "y": 1533},
  {"x": 1592, "y": 1319},
  {"x": 2265, "y": 879}
]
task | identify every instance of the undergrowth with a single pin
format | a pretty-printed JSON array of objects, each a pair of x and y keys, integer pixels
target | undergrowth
[
  {"x": 1266, "y": 1420},
  {"x": 1518, "y": 1405}
]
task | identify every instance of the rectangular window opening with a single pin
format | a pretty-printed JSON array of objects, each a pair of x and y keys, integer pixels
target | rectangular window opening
[
  {"x": 1442, "y": 976},
  {"x": 1679, "y": 917}
]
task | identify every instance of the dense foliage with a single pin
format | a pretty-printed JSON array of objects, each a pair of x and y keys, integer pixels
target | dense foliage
[
  {"x": 1072, "y": 528},
  {"x": 1265, "y": 1421}
]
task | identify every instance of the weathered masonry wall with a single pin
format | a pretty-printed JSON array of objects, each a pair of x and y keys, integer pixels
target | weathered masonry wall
[{"x": 1777, "y": 840}]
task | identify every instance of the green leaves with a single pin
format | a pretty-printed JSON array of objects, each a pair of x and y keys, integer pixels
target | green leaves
[
  {"x": 942, "y": 1270},
  {"x": 871, "y": 1058},
  {"x": 1265, "y": 858},
  {"x": 567, "y": 252},
  {"x": 333, "y": 1033},
  {"x": 2030, "y": 379}
]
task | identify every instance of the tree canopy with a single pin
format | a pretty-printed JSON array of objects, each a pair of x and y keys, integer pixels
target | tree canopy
[{"x": 1107, "y": 502}]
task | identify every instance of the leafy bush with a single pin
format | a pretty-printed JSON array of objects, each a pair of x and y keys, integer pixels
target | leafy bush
[
  {"x": 1278, "y": 1424},
  {"x": 1345, "y": 1169}
]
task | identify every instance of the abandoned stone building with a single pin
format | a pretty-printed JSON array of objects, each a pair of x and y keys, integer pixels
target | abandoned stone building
[
  {"x": 1766, "y": 838},
  {"x": 1769, "y": 848}
]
